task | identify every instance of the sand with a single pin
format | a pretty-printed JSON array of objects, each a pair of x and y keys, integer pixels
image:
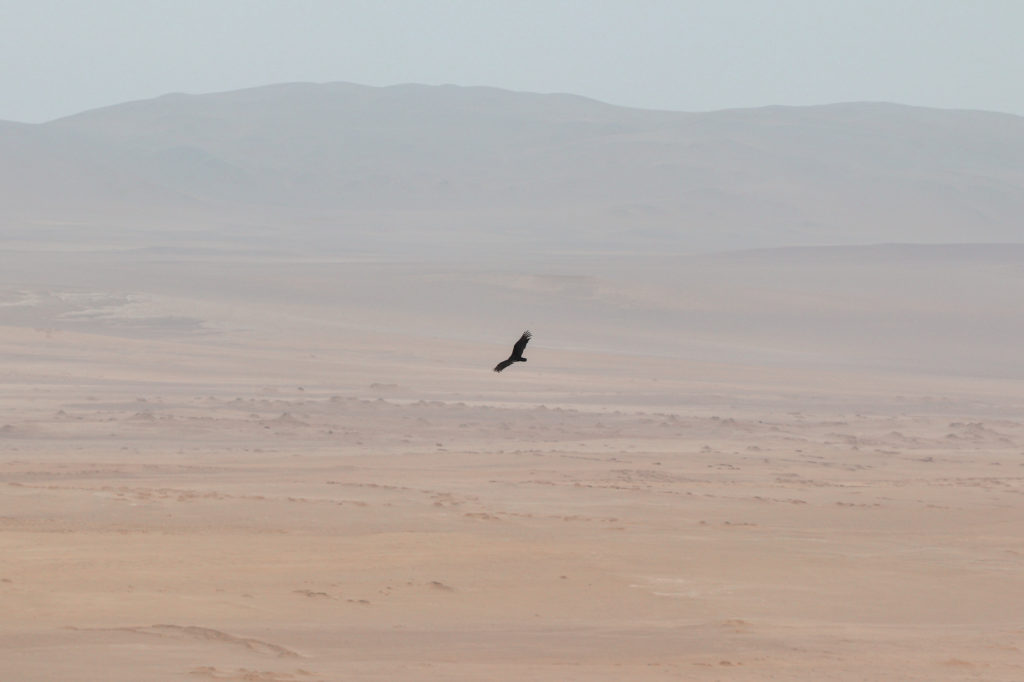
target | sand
[{"x": 272, "y": 493}]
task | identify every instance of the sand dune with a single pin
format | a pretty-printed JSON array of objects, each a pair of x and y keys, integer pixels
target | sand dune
[{"x": 297, "y": 485}]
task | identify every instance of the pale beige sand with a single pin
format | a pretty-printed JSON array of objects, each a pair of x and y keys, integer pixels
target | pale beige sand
[{"x": 283, "y": 497}]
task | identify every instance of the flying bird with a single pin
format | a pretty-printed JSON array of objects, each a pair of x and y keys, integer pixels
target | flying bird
[{"x": 517, "y": 352}]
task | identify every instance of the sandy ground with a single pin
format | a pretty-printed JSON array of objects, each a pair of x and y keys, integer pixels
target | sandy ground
[{"x": 273, "y": 502}]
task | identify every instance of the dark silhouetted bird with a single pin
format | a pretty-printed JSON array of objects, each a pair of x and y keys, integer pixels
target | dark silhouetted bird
[{"x": 517, "y": 352}]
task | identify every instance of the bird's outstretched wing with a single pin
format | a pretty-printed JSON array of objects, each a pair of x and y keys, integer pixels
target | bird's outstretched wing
[
  {"x": 502, "y": 365},
  {"x": 517, "y": 350}
]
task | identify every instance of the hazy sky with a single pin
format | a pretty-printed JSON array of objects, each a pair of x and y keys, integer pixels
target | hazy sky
[{"x": 58, "y": 57}]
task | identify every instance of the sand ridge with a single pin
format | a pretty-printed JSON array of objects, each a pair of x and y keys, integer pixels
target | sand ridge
[{"x": 375, "y": 538}]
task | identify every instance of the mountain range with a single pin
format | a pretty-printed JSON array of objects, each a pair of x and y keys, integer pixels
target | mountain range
[{"x": 341, "y": 167}]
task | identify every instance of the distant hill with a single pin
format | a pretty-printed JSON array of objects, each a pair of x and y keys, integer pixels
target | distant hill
[{"x": 348, "y": 167}]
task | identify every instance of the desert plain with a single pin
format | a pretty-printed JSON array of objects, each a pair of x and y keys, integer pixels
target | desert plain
[{"x": 222, "y": 466}]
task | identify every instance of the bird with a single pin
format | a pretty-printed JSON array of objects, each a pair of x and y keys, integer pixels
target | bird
[{"x": 517, "y": 352}]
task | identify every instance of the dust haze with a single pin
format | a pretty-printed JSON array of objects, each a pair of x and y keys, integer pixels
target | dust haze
[{"x": 769, "y": 427}]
